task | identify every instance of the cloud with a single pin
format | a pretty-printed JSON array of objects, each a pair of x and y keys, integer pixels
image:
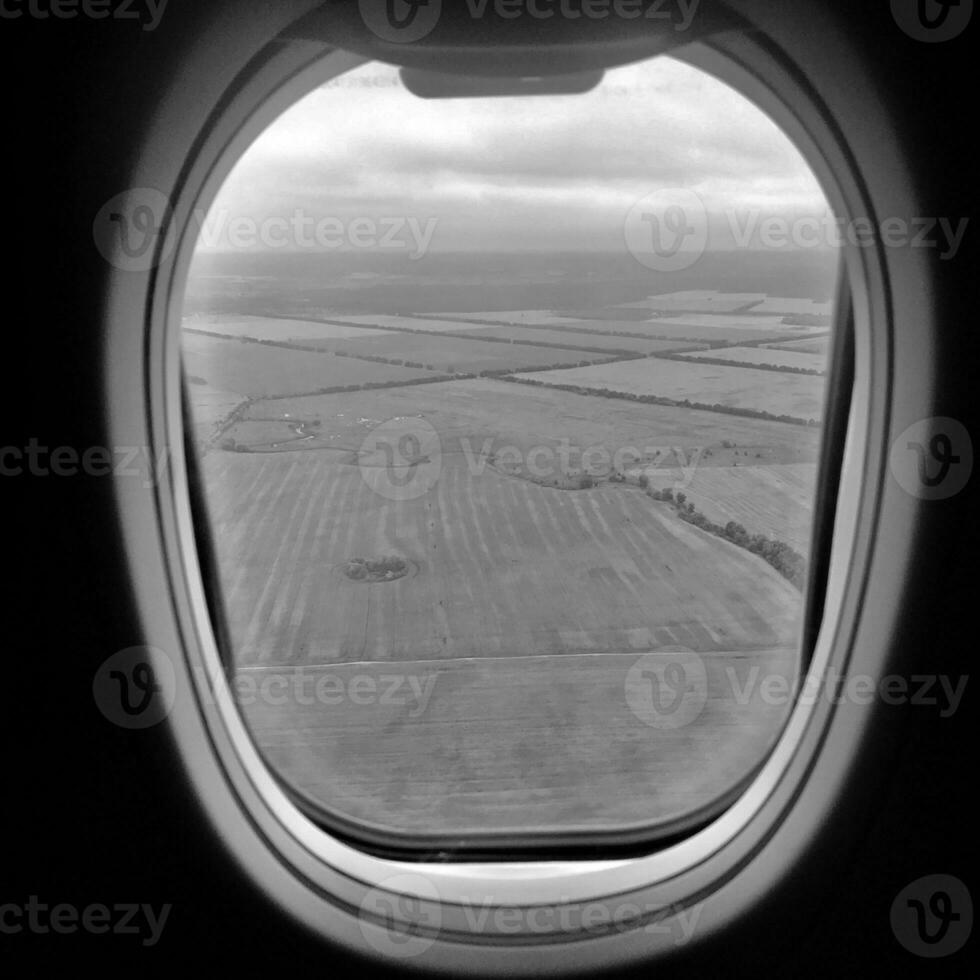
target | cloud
[{"x": 555, "y": 172}]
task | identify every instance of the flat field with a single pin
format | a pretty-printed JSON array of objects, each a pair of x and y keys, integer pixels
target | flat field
[
  {"x": 263, "y": 370},
  {"x": 502, "y": 567},
  {"x": 457, "y": 356},
  {"x": 796, "y": 395},
  {"x": 764, "y": 355},
  {"x": 810, "y": 345},
  {"x": 771, "y": 499},
  {"x": 576, "y": 339},
  {"x": 270, "y": 328}
]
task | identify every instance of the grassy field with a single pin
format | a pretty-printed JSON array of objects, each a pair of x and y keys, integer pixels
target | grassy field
[
  {"x": 528, "y": 743},
  {"x": 429, "y": 325},
  {"x": 699, "y": 301},
  {"x": 799, "y": 396},
  {"x": 765, "y": 355},
  {"x": 814, "y": 345},
  {"x": 557, "y": 337},
  {"x": 687, "y": 330},
  {"x": 791, "y": 307},
  {"x": 548, "y": 338},
  {"x": 707, "y": 327},
  {"x": 457, "y": 356},
  {"x": 468, "y": 413},
  {"x": 526, "y": 607},
  {"x": 771, "y": 499},
  {"x": 270, "y": 328},
  {"x": 519, "y": 317},
  {"x": 505, "y": 568},
  {"x": 258, "y": 370},
  {"x": 210, "y": 407}
]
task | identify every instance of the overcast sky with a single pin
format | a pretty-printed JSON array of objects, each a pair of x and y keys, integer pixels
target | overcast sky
[{"x": 555, "y": 173}]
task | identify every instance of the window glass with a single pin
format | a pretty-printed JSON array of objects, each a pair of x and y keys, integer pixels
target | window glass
[{"x": 508, "y": 414}]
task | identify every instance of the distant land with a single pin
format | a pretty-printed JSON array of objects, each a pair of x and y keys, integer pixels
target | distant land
[{"x": 371, "y": 282}]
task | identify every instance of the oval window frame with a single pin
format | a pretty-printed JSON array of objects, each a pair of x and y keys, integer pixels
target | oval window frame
[{"x": 305, "y": 867}]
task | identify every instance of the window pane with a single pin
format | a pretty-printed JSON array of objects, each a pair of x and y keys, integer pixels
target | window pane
[{"x": 508, "y": 412}]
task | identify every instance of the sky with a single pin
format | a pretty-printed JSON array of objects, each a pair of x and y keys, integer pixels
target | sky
[{"x": 550, "y": 173}]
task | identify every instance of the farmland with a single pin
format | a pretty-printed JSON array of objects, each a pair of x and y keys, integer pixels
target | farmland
[
  {"x": 271, "y": 328},
  {"x": 815, "y": 345},
  {"x": 259, "y": 370},
  {"x": 575, "y": 339},
  {"x": 708, "y": 328},
  {"x": 771, "y": 499},
  {"x": 776, "y": 357},
  {"x": 468, "y": 412},
  {"x": 428, "y": 324},
  {"x": 699, "y": 301},
  {"x": 453, "y": 355},
  {"x": 677, "y": 330},
  {"x": 515, "y": 592},
  {"x": 798, "y": 396},
  {"x": 211, "y": 407},
  {"x": 537, "y": 743},
  {"x": 506, "y": 569}
]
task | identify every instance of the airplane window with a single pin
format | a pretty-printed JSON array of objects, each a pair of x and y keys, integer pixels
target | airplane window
[{"x": 508, "y": 412}]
